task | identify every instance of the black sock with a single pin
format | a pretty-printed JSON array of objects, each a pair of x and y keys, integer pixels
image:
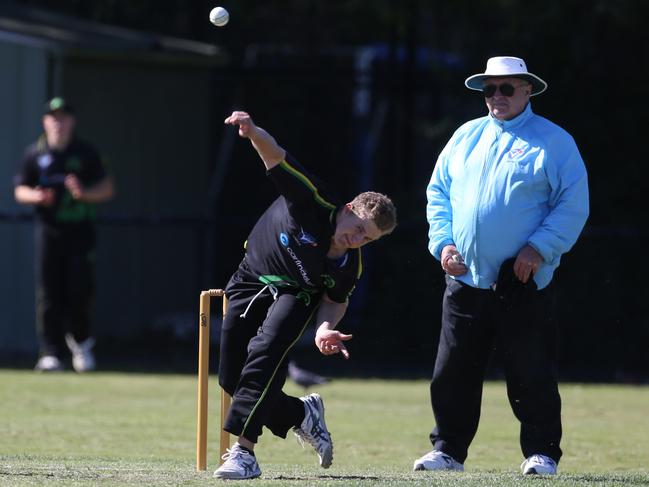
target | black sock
[
  {"x": 299, "y": 410},
  {"x": 246, "y": 449}
]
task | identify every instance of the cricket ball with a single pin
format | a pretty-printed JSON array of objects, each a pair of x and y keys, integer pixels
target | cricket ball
[{"x": 219, "y": 16}]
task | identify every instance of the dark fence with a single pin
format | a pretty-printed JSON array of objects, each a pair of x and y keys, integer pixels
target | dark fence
[{"x": 151, "y": 269}]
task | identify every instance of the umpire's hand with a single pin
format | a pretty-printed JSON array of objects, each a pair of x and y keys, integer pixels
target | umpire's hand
[
  {"x": 452, "y": 262},
  {"x": 527, "y": 263}
]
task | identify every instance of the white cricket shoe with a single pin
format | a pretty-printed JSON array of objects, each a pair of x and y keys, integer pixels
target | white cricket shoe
[
  {"x": 313, "y": 429},
  {"x": 437, "y": 460},
  {"x": 48, "y": 363},
  {"x": 83, "y": 360},
  {"x": 238, "y": 465},
  {"x": 539, "y": 464}
]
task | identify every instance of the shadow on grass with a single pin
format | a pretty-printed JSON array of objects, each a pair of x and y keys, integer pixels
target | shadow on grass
[{"x": 325, "y": 477}]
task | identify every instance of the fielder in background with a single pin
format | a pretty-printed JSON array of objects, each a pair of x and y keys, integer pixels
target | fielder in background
[
  {"x": 302, "y": 261},
  {"x": 507, "y": 198},
  {"x": 63, "y": 177}
]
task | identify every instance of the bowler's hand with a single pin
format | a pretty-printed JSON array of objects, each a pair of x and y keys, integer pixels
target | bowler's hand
[
  {"x": 330, "y": 342},
  {"x": 243, "y": 120},
  {"x": 527, "y": 263},
  {"x": 452, "y": 261},
  {"x": 74, "y": 186},
  {"x": 44, "y": 196}
]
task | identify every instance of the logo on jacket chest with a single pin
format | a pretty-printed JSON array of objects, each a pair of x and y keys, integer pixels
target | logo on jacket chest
[{"x": 515, "y": 153}]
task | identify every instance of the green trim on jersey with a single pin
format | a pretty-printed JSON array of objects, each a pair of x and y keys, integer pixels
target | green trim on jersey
[
  {"x": 328, "y": 281},
  {"x": 307, "y": 182},
  {"x": 279, "y": 281},
  {"x": 73, "y": 211},
  {"x": 332, "y": 217}
]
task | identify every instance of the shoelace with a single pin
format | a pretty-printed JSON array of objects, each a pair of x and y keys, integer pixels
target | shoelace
[
  {"x": 247, "y": 460},
  {"x": 317, "y": 433},
  {"x": 301, "y": 436},
  {"x": 233, "y": 453},
  {"x": 298, "y": 437}
]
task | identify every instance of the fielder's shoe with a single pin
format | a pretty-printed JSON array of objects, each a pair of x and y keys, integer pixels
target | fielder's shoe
[
  {"x": 83, "y": 359},
  {"x": 48, "y": 363},
  {"x": 314, "y": 431},
  {"x": 238, "y": 465},
  {"x": 437, "y": 460},
  {"x": 539, "y": 464}
]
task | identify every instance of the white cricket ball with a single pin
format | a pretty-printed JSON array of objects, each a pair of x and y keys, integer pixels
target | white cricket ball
[{"x": 219, "y": 16}]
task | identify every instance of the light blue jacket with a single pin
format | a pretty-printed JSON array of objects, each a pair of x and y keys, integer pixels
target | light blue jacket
[{"x": 499, "y": 185}]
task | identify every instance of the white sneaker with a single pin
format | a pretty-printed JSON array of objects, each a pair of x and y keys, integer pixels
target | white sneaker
[
  {"x": 48, "y": 363},
  {"x": 437, "y": 460},
  {"x": 238, "y": 465},
  {"x": 314, "y": 431},
  {"x": 539, "y": 464},
  {"x": 83, "y": 360}
]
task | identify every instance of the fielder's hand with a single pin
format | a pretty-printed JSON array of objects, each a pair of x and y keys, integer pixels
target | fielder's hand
[
  {"x": 44, "y": 196},
  {"x": 73, "y": 185}
]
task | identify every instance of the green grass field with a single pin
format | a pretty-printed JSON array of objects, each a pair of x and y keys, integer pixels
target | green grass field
[{"x": 139, "y": 429}]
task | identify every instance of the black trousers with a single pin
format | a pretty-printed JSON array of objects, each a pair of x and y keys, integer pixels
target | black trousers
[
  {"x": 253, "y": 360},
  {"x": 64, "y": 266},
  {"x": 473, "y": 321}
]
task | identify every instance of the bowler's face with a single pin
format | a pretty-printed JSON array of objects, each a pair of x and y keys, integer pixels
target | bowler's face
[
  {"x": 507, "y": 107},
  {"x": 353, "y": 231}
]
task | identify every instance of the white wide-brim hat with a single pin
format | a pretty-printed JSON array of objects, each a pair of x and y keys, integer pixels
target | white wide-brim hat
[{"x": 506, "y": 66}]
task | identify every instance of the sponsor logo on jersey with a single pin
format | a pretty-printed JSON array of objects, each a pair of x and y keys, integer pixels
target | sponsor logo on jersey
[
  {"x": 284, "y": 240},
  {"x": 300, "y": 267},
  {"x": 306, "y": 238},
  {"x": 328, "y": 281},
  {"x": 44, "y": 160}
]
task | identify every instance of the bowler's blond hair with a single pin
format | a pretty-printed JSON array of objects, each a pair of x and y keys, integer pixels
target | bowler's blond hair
[{"x": 376, "y": 207}]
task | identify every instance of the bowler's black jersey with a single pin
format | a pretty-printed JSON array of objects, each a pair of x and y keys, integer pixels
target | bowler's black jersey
[{"x": 289, "y": 243}]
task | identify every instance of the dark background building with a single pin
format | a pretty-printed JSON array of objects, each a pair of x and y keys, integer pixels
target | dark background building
[{"x": 373, "y": 89}]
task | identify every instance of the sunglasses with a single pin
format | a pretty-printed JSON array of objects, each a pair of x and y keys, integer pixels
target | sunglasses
[{"x": 505, "y": 89}]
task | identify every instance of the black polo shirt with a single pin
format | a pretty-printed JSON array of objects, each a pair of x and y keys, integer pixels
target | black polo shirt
[
  {"x": 289, "y": 243},
  {"x": 44, "y": 167}
]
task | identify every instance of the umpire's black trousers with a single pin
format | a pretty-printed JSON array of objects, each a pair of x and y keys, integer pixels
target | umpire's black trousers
[
  {"x": 253, "y": 361},
  {"x": 473, "y": 322}
]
